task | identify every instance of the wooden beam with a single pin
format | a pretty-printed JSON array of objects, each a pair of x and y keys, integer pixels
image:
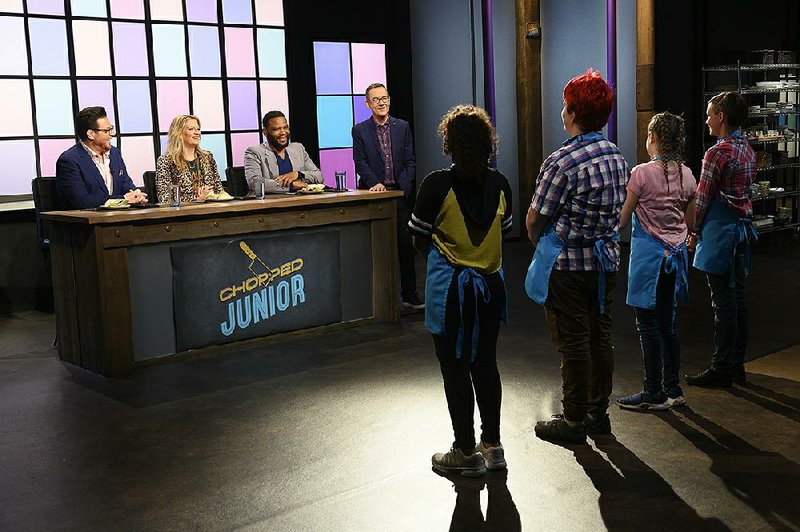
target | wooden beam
[
  {"x": 529, "y": 100},
  {"x": 645, "y": 72}
]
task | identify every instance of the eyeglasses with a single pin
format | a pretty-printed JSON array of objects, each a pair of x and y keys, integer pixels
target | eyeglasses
[
  {"x": 108, "y": 130},
  {"x": 382, "y": 99}
]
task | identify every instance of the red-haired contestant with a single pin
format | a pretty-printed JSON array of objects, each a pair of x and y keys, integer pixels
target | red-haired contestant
[{"x": 573, "y": 221}]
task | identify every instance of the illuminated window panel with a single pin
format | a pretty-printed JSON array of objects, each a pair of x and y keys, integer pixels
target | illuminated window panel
[
  {"x": 93, "y": 92},
  {"x": 207, "y": 104},
  {"x": 14, "y": 59},
  {"x": 166, "y": 10},
  {"x": 133, "y": 99},
  {"x": 237, "y": 11},
  {"x": 49, "y": 151},
  {"x": 11, "y": 6},
  {"x": 269, "y": 12},
  {"x": 15, "y": 108},
  {"x": 53, "y": 106},
  {"x": 239, "y": 52},
  {"x": 201, "y": 10},
  {"x": 369, "y": 65},
  {"x": 360, "y": 109},
  {"x": 162, "y": 139},
  {"x": 46, "y": 7},
  {"x": 204, "y": 51},
  {"x": 239, "y": 143},
  {"x": 89, "y": 8},
  {"x": 20, "y": 155},
  {"x": 341, "y": 160},
  {"x": 92, "y": 55},
  {"x": 332, "y": 67},
  {"x": 274, "y": 97},
  {"x": 335, "y": 121},
  {"x": 271, "y": 53},
  {"x": 173, "y": 100},
  {"x": 132, "y": 9},
  {"x": 139, "y": 156},
  {"x": 242, "y": 108},
  {"x": 49, "y": 47},
  {"x": 169, "y": 54},
  {"x": 130, "y": 49},
  {"x": 217, "y": 144}
]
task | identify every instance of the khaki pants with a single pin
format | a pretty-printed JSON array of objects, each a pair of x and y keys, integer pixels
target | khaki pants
[{"x": 582, "y": 334}]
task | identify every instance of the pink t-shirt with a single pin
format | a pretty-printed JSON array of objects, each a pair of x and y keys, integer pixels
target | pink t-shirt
[{"x": 660, "y": 208}]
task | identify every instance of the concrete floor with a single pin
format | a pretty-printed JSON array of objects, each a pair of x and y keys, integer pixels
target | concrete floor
[{"x": 335, "y": 432}]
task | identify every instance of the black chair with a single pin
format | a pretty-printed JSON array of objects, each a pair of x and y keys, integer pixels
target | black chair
[
  {"x": 236, "y": 183},
  {"x": 45, "y": 198},
  {"x": 149, "y": 179}
]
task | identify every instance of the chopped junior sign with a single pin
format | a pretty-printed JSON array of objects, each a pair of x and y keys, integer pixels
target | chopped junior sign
[{"x": 252, "y": 287}]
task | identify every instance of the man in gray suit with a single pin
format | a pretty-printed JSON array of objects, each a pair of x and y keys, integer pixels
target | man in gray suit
[{"x": 281, "y": 165}]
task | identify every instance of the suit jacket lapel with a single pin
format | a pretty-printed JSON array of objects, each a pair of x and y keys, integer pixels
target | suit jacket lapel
[
  {"x": 91, "y": 168},
  {"x": 114, "y": 170},
  {"x": 272, "y": 161},
  {"x": 374, "y": 135}
]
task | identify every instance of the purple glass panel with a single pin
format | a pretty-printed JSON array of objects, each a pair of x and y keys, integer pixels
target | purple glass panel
[
  {"x": 49, "y": 47},
  {"x": 19, "y": 167},
  {"x": 130, "y": 49},
  {"x": 360, "y": 110},
  {"x": 46, "y": 7},
  {"x": 237, "y": 11},
  {"x": 240, "y": 142},
  {"x": 332, "y": 67},
  {"x": 201, "y": 10},
  {"x": 204, "y": 51},
  {"x": 243, "y": 108},
  {"x": 339, "y": 160},
  {"x": 96, "y": 92}
]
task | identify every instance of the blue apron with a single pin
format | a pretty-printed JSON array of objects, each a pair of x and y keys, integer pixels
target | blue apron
[
  {"x": 537, "y": 280},
  {"x": 644, "y": 269},
  {"x": 722, "y": 232},
  {"x": 437, "y": 286}
]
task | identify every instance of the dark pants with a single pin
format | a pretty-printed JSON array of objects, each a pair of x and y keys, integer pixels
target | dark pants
[
  {"x": 730, "y": 315},
  {"x": 658, "y": 334},
  {"x": 405, "y": 250},
  {"x": 461, "y": 377},
  {"x": 582, "y": 334}
]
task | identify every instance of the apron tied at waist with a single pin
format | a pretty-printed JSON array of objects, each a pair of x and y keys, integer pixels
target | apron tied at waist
[
  {"x": 722, "y": 232},
  {"x": 644, "y": 268}
]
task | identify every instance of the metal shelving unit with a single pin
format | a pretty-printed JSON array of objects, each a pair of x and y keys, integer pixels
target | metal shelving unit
[{"x": 770, "y": 108}]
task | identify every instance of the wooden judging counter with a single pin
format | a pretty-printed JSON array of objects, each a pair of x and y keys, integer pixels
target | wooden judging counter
[{"x": 120, "y": 277}]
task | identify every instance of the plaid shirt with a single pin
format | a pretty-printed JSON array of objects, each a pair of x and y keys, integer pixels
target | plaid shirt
[
  {"x": 728, "y": 170},
  {"x": 583, "y": 182},
  {"x": 385, "y": 141}
]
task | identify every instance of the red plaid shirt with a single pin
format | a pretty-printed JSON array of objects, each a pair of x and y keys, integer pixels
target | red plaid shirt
[{"x": 729, "y": 168}]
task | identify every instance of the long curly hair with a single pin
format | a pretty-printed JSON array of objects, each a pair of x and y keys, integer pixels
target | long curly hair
[
  {"x": 669, "y": 131},
  {"x": 175, "y": 142},
  {"x": 467, "y": 130}
]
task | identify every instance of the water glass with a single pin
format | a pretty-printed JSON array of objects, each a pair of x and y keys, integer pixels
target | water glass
[{"x": 341, "y": 181}]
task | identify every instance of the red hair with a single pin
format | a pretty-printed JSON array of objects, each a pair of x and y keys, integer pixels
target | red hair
[{"x": 590, "y": 98}]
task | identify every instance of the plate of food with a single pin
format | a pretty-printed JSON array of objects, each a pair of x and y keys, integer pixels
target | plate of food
[
  {"x": 114, "y": 204},
  {"x": 316, "y": 188}
]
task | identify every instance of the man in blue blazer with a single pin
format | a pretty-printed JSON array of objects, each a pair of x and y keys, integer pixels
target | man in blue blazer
[
  {"x": 383, "y": 152},
  {"x": 92, "y": 171}
]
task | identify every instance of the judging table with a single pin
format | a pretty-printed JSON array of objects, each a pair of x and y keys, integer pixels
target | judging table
[{"x": 135, "y": 285}]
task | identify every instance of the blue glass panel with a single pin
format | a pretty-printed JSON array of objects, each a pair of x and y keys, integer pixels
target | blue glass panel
[
  {"x": 135, "y": 115},
  {"x": 271, "y": 53},
  {"x": 332, "y": 67},
  {"x": 335, "y": 121},
  {"x": 49, "y": 47},
  {"x": 54, "y": 106},
  {"x": 237, "y": 11},
  {"x": 89, "y": 8},
  {"x": 217, "y": 144},
  {"x": 169, "y": 55},
  {"x": 204, "y": 51}
]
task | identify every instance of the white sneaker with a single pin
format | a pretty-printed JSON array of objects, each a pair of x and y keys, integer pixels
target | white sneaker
[
  {"x": 676, "y": 401},
  {"x": 493, "y": 456},
  {"x": 455, "y": 462}
]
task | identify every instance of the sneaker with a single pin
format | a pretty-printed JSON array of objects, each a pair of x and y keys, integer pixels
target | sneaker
[
  {"x": 676, "y": 401},
  {"x": 643, "y": 401},
  {"x": 711, "y": 378},
  {"x": 739, "y": 376},
  {"x": 597, "y": 425},
  {"x": 413, "y": 301},
  {"x": 455, "y": 462},
  {"x": 493, "y": 456},
  {"x": 558, "y": 430}
]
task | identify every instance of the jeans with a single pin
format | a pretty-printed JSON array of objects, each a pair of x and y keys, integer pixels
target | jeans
[
  {"x": 582, "y": 334},
  {"x": 658, "y": 334},
  {"x": 730, "y": 315},
  {"x": 461, "y": 377}
]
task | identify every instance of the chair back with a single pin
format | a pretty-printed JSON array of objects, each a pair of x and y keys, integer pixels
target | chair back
[
  {"x": 45, "y": 198},
  {"x": 149, "y": 179},
  {"x": 236, "y": 182}
]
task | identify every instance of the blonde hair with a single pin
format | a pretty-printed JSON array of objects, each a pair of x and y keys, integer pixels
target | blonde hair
[
  {"x": 670, "y": 133},
  {"x": 175, "y": 141}
]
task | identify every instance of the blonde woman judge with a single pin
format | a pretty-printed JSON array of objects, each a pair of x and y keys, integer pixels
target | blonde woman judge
[{"x": 186, "y": 165}]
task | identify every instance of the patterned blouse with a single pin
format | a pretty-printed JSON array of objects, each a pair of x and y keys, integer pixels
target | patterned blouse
[{"x": 168, "y": 173}]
